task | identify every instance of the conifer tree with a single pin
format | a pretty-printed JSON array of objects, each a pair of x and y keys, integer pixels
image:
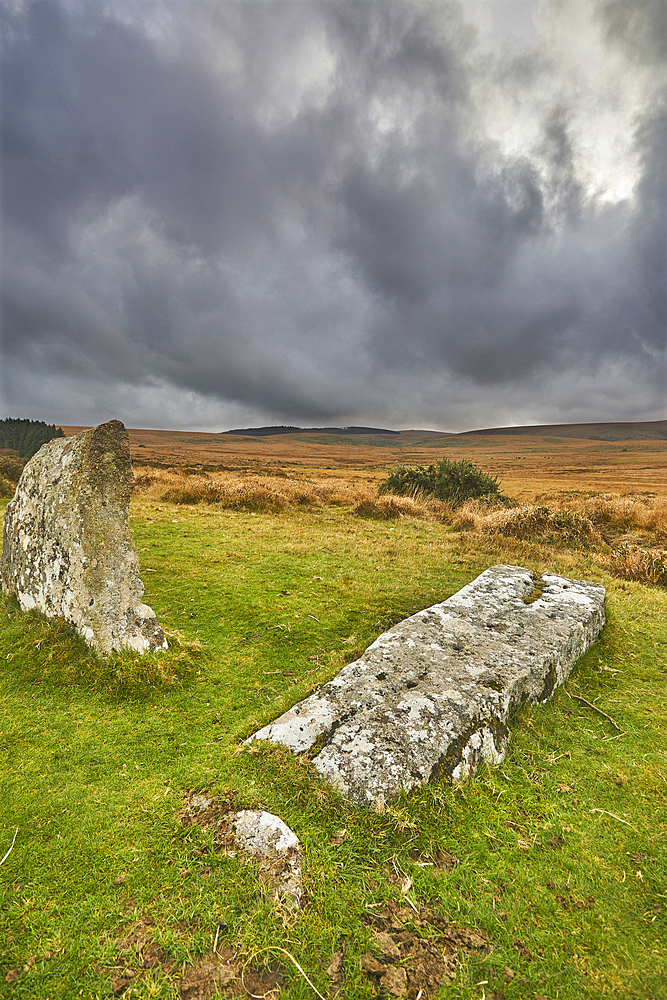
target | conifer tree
[{"x": 26, "y": 436}]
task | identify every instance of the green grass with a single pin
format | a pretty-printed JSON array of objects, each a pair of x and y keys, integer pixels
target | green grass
[{"x": 97, "y": 757}]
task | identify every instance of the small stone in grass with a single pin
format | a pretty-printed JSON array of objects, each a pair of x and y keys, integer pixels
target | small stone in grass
[
  {"x": 335, "y": 965},
  {"x": 386, "y": 946}
]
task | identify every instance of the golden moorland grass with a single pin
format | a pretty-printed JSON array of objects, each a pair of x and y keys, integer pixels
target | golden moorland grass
[
  {"x": 626, "y": 532},
  {"x": 525, "y": 464},
  {"x": 605, "y": 495},
  {"x": 261, "y": 493}
]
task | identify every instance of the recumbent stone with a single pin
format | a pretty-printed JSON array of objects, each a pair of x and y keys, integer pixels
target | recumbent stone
[{"x": 433, "y": 695}]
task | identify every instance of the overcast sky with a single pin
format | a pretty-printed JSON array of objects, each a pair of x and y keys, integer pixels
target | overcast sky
[{"x": 404, "y": 213}]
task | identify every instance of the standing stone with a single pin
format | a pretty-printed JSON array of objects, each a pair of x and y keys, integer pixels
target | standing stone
[{"x": 67, "y": 548}]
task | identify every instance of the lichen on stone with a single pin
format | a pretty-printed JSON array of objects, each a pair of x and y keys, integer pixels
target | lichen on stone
[
  {"x": 433, "y": 696},
  {"x": 67, "y": 547}
]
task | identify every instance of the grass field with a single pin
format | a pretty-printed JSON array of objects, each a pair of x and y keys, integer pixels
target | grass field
[{"x": 556, "y": 859}]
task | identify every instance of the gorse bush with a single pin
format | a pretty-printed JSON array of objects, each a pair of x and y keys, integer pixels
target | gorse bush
[
  {"x": 11, "y": 468},
  {"x": 10, "y": 473},
  {"x": 454, "y": 482}
]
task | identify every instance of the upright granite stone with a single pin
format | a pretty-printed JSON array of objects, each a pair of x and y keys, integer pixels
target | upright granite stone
[
  {"x": 67, "y": 548},
  {"x": 434, "y": 694}
]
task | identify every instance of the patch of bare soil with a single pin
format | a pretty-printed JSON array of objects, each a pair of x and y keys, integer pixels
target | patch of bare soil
[
  {"x": 228, "y": 974},
  {"x": 137, "y": 953},
  {"x": 414, "y": 953},
  {"x": 200, "y": 809},
  {"x": 223, "y": 971},
  {"x": 439, "y": 861}
]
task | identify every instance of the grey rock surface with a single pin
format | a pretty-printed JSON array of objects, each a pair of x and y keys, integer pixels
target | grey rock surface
[
  {"x": 261, "y": 833},
  {"x": 67, "y": 548},
  {"x": 434, "y": 694},
  {"x": 256, "y": 832}
]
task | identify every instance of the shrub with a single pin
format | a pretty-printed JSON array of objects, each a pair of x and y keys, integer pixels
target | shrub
[
  {"x": 454, "y": 482},
  {"x": 6, "y": 488}
]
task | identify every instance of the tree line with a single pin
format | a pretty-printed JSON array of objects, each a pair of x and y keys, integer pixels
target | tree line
[{"x": 27, "y": 436}]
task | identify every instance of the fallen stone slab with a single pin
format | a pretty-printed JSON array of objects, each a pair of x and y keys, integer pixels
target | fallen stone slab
[
  {"x": 434, "y": 694},
  {"x": 67, "y": 548}
]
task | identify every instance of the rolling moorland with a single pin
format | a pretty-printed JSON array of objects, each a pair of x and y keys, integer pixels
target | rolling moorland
[
  {"x": 529, "y": 460},
  {"x": 271, "y": 561}
]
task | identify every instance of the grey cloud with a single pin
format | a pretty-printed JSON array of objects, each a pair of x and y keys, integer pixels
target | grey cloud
[
  {"x": 94, "y": 111},
  {"x": 296, "y": 211},
  {"x": 639, "y": 25},
  {"x": 649, "y": 229}
]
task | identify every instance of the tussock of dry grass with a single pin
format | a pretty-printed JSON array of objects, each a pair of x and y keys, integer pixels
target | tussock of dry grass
[
  {"x": 631, "y": 562},
  {"x": 271, "y": 495},
  {"x": 608, "y": 514},
  {"x": 254, "y": 493},
  {"x": 388, "y": 507},
  {"x": 612, "y": 512},
  {"x": 585, "y": 522},
  {"x": 572, "y": 521},
  {"x": 532, "y": 523},
  {"x": 588, "y": 520}
]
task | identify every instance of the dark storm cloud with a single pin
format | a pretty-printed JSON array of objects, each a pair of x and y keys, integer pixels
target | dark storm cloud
[
  {"x": 93, "y": 111},
  {"x": 302, "y": 212}
]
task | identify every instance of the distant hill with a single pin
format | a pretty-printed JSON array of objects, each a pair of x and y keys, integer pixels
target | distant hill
[
  {"x": 640, "y": 430},
  {"x": 266, "y": 431}
]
